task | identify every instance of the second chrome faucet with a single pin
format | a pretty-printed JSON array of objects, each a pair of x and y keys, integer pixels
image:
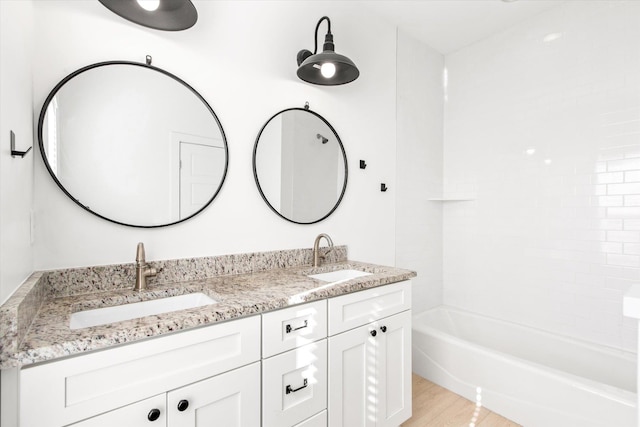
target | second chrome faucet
[{"x": 316, "y": 249}]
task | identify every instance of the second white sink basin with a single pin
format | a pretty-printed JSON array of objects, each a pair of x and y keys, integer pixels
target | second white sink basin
[
  {"x": 118, "y": 313},
  {"x": 339, "y": 275}
]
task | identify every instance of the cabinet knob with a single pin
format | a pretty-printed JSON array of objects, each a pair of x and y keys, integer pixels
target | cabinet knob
[
  {"x": 154, "y": 414},
  {"x": 183, "y": 405},
  {"x": 373, "y": 333},
  {"x": 383, "y": 328}
]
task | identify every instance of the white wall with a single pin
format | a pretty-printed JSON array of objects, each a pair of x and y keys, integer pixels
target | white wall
[
  {"x": 16, "y": 174},
  {"x": 419, "y": 157},
  {"x": 550, "y": 244},
  {"x": 241, "y": 57}
]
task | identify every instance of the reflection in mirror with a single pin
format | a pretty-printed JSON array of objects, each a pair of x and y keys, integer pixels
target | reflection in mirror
[
  {"x": 300, "y": 166},
  {"x": 133, "y": 144}
]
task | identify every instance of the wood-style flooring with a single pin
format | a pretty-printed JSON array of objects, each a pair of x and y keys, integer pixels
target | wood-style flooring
[{"x": 434, "y": 406}]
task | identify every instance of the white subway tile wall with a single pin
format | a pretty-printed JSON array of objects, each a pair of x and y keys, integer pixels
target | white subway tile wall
[{"x": 542, "y": 126}]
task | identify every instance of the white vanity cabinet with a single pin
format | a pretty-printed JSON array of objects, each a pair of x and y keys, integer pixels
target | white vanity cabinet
[
  {"x": 294, "y": 366},
  {"x": 370, "y": 357},
  {"x": 339, "y": 362},
  {"x": 130, "y": 381}
]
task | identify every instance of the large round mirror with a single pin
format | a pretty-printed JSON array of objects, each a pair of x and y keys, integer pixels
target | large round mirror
[
  {"x": 133, "y": 144},
  {"x": 300, "y": 166}
]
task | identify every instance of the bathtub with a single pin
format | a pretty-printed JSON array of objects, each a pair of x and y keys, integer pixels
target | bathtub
[{"x": 532, "y": 377}]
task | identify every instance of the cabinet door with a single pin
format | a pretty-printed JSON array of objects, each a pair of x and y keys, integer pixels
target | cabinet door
[
  {"x": 352, "y": 381},
  {"x": 231, "y": 399},
  {"x": 147, "y": 413},
  {"x": 393, "y": 364},
  {"x": 370, "y": 374}
]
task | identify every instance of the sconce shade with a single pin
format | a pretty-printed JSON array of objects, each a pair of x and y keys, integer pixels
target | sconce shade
[
  {"x": 310, "y": 65},
  {"x": 171, "y": 15},
  {"x": 346, "y": 70}
]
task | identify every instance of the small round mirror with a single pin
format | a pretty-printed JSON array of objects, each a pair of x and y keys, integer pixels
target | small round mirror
[{"x": 300, "y": 166}]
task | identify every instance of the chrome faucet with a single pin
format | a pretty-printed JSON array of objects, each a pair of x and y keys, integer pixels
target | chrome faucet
[
  {"x": 316, "y": 249},
  {"x": 142, "y": 269}
]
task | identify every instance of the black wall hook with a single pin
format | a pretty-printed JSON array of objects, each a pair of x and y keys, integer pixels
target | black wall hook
[
  {"x": 383, "y": 187},
  {"x": 15, "y": 152}
]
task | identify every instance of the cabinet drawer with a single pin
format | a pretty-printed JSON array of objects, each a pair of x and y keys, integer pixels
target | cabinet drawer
[
  {"x": 293, "y": 327},
  {"x": 318, "y": 420},
  {"x": 359, "y": 308},
  {"x": 294, "y": 385},
  {"x": 76, "y": 388}
]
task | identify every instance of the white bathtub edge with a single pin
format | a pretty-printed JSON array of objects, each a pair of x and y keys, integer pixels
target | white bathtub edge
[{"x": 511, "y": 386}]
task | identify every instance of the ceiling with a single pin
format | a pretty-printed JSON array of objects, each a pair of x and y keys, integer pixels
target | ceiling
[{"x": 449, "y": 25}]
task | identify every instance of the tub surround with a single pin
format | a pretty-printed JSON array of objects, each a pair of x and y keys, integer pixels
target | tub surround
[
  {"x": 631, "y": 308},
  {"x": 527, "y": 375},
  {"x": 35, "y": 320}
]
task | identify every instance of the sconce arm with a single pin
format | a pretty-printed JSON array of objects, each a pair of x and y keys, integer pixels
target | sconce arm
[{"x": 315, "y": 45}]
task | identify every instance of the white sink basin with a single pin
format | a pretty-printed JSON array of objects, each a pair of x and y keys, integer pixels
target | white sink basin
[
  {"x": 339, "y": 275},
  {"x": 118, "y": 313}
]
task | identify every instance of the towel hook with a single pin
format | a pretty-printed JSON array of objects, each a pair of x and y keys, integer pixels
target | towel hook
[{"x": 14, "y": 152}]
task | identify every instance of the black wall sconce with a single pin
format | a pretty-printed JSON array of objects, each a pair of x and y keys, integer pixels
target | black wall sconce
[
  {"x": 326, "y": 68},
  {"x": 167, "y": 15}
]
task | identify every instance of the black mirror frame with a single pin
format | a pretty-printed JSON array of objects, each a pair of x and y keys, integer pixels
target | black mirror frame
[
  {"x": 344, "y": 155},
  {"x": 55, "y": 90}
]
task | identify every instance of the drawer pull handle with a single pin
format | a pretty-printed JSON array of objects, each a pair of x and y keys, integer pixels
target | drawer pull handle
[
  {"x": 383, "y": 328},
  {"x": 289, "y": 329},
  {"x": 183, "y": 405},
  {"x": 288, "y": 389},
  {"x": 373, "y": 333},
  {"x": 154, "y": 414}
]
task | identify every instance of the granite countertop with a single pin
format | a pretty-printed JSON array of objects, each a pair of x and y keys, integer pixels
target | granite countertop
[{"x": 49, "y": 337}]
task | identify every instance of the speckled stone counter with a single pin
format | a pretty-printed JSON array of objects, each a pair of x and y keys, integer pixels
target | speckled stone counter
[{"x": 35, "y": 320}]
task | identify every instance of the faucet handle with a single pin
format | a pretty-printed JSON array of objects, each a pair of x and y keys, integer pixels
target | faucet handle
[{"x": 326, "y": 253}]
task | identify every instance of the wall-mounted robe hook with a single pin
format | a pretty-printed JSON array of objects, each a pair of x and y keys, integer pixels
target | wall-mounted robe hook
[
  {"x": 383, "y": 187},
  {"x": 363, "y": 164},
  {"x": 15, "y": 152}
]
